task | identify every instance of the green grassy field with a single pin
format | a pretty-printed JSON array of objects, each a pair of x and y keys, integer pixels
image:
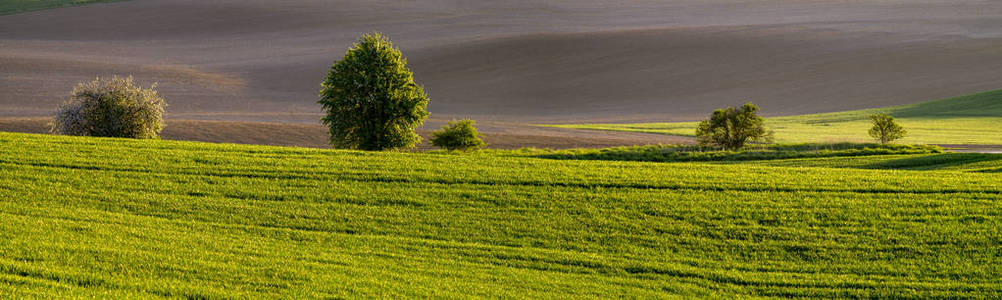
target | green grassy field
[
  {"x": 112, "y": 218},
  {"x": 973, "y": 119},
  {"x": 17, "y": 6}
]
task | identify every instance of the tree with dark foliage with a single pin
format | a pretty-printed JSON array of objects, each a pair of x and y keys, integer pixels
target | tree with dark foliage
[{"x": 731, "y": 128}]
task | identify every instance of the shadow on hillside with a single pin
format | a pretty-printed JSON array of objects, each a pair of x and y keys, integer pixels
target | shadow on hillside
[
  {"x": 668, "y": 153},
  {"x": 979, "y": 162}
]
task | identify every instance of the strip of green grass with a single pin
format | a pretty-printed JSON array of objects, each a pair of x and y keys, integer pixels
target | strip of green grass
[
  {"x": 18, "y": 6},
  {"x": 973, "y": 119},
  {"x": 111, "y": 218}
]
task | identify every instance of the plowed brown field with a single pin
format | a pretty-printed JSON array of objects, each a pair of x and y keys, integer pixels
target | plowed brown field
[{"x": 248, "y": 65}]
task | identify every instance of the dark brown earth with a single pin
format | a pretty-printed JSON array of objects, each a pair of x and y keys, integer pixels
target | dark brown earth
[
  {"x": 503, "y": 136},
  {"x": 252, "y": 67}
]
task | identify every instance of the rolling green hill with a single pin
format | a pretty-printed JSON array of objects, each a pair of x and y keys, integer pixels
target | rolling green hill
[
  {"x": 112, "y": 218},
  {"x": 973, "y": 119},
  {"x": 18, "y": 6}
]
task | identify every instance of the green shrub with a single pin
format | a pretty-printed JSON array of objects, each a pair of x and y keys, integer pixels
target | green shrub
[
  {"x": 458, "y": 135},
  {"x": 885, "y": 129},
  {"x": 731, "y": 128},
  {"x": 111, "y": 108},
  {"x": 371, "y": 100}
]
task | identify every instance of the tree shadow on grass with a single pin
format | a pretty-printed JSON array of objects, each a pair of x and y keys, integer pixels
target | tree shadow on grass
[
  {"x": 956, "y": 161},
  {"x": 669, "y": 153}
]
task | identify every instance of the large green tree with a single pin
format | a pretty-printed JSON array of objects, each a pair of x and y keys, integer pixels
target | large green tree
[
  {"x": 371, "y": 100},
  {"x": 732, "y": 127}
]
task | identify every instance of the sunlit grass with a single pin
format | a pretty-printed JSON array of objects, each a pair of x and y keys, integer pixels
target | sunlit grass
[{"x": 113, "y": 218}]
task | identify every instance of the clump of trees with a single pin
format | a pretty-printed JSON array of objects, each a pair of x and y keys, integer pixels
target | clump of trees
[
  {"x": 731, "y": 128},
  {"x": 458, "y": 135},
  {"x": 370, "y": 98},
  {"x": 885, "y": 129},
  {"x": 114, "y": 107}
]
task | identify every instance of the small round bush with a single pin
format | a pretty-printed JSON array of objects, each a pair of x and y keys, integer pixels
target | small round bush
[
  {"x": 111, "y": 108},
  {"x": 458, "y": 135}
]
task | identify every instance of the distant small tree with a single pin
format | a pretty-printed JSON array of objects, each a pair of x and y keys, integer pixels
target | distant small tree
[
  {"x": 458, "y": 135},
  {"x": 885, "y": 129},
  {"x": 731, "y": 128},
  {"x": 370, "y": 97},
  {"x": 111, "y": 108}
]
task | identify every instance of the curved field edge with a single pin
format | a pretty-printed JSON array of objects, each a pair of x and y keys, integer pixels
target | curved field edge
[
  {"x": 964, "y": 120},
  {"x": 124, "y": 218},
  {"x": 9, "y": 7}
]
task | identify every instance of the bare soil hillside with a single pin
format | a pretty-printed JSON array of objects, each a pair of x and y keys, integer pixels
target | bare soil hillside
[{"x": 511, "y": 62}]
